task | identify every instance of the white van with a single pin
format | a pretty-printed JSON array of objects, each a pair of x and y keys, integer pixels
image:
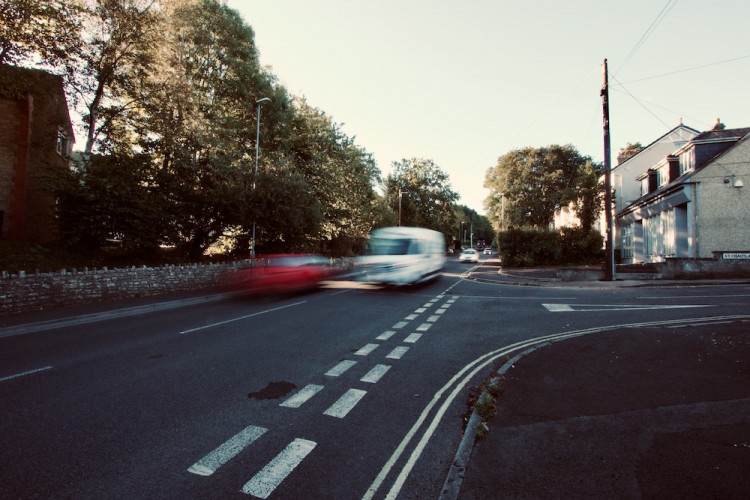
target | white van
[{"x": 402, "y": 256}]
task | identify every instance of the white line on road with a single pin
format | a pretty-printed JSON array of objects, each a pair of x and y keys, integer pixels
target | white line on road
[
  {"x": 420, "y": 310},
  {"x": 240, "y": 318},
  {"x": 433, "y": 318},
  {"x": 374, "y": 375},
  {"x": 558, "y": 307},
  {"x": 364, "y": 351},
  {"x": 411, "y": 317},
  {"x": 397, "y": 353},
  {"x": 344, "y": 405},
  {"x": 614, "y": 307},
  {"x": 271, "y": 476},
  {"x": 340, "y": 368},
  {"x": 23, "y": 374},
  {"x": 412, "y": 338},
  {"x": 400, "y": 325},
  {"x": 462, "y": 378},
  {"x": 221, "y": 455},
  {"x": 424, "y": 327},
  {"x": 385, "y": 335},
  {"x": 302, "y": 396}
]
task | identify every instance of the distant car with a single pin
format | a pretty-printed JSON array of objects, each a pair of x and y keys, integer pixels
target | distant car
[
  {"x": 285, "y": 273},
  {"x": 488, "y": 251},
  {"x": 469, "y": 255}
]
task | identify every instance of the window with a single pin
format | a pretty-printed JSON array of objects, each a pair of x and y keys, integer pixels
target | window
[
  {"x": 668, "y": 232},
  {"x": 687, "y": 161},
  {"x": 627, "y": 242},
  {"x": 663, "y": 176},
  {"x": 63, "y": 145}
]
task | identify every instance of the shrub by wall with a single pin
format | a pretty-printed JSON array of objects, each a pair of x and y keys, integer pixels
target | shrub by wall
[{"x": 526, "y": 247}]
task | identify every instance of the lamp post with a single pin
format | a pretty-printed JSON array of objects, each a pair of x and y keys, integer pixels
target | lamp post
[{"x": 259, "y": 102}]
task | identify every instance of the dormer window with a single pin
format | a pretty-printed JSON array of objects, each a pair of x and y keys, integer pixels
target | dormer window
[{"x": 687, "y": 161}]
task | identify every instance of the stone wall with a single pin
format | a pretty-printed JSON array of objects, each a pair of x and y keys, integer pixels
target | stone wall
[{"x": 33, "y": 292}]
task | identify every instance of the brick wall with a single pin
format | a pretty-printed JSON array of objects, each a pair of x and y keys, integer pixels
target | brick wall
[{"x": 33, "y": 292}]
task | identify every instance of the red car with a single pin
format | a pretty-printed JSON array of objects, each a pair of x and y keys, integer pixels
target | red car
[{"x": 286, "y": 272}]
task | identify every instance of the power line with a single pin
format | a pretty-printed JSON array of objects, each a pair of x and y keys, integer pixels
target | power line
[
  {"x": 651, "y": 28},
  {"x": 688, "y": 69},
  {"x": 639, "y": 102}
]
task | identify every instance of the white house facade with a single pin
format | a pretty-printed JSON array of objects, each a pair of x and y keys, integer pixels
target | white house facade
[{"x": 691, "y": 203}]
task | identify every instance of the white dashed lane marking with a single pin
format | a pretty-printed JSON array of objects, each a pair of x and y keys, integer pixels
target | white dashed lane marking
[
  {"x": 385, "y": 335},
  {"x": 344, "y": 405},
  {"x": 424, "y": 327},
  {"x": 400, "y": 325},
  {"x": 265, "y": 481},
  {"x": 221, "y": 455},
  {"x": 364, "y": 351},
  {"x": 397, "y": 353},
  {"x": 302, "y": 396},
  {"x": 412, "y": 338},
  {"x": 340, "y": 368},
  {"x": 375, "y": 374}
]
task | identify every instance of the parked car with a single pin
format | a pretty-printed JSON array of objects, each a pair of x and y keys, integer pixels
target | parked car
[
  {"x": 285, "y": 273},
  {"x": 488, "y": 251},
  {"x": 469, "y": 255}
]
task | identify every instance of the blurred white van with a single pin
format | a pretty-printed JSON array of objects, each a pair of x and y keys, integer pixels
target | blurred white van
[{"x": 402, "y": 256}]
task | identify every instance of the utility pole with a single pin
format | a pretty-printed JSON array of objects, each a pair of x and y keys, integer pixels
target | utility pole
[
  {"x": 609, "y": 268},
  {"x": 399, "y": 207}
]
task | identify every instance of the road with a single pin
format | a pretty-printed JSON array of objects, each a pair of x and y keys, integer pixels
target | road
[{"x": 348, "y": 392}]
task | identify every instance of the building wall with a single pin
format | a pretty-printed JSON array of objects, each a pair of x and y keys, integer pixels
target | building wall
[
  {"x": 9, "y": 138},
  {"x": 723, "y": 211},
  {"x": 33, "y": 109},
  {"x": 624, "y": 176}
]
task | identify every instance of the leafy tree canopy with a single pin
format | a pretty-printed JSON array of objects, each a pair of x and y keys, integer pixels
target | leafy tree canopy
[
  {"x": 528, "y": 185},
  {"x": 420, "y": 192}
]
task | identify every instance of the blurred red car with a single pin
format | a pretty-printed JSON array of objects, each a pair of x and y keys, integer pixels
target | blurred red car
[{"x": 286, "y": 272}]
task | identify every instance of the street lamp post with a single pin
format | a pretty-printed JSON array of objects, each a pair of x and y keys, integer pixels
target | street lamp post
[{"x": 259, "y": 102}]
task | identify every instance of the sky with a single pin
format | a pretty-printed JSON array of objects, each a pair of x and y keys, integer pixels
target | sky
[{"x": 465, "y": 82}]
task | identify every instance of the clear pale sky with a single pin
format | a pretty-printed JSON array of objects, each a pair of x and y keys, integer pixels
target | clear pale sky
[{"x": 464, "y": 82}]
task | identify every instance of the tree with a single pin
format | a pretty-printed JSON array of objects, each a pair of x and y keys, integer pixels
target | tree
[
  {"x": 119, "y": 37},
  {"x": 473, "y": 226},
  {"x": 195, "y": 117},
  {"x": 340, "y": 174},
  {"x": 528, "y": 185},
  {"x": 39, "y": 31},
  {"x": 420, "y": 192}
]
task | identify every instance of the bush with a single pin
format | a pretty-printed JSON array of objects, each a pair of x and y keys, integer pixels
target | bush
[{"x": 528, "y": 247}]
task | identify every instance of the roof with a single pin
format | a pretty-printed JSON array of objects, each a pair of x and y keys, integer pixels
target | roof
[
  {"x": 644, "y": 148},
  {"x": 721, "y": 135}
]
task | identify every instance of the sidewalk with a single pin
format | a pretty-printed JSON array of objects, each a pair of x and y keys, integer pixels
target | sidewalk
[{"x": 630, "y": 413}]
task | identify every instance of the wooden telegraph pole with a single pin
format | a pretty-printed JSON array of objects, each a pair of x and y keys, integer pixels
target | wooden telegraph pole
[{"x": 609, "y": 268}]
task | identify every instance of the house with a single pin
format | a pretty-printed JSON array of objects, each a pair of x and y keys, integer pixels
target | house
[
  {"x": 691, "y": 203},
  {"x": 624, "y": 177},
  {"x": 36, "y": 138}
]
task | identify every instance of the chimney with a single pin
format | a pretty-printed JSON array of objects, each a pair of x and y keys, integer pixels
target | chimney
[{"x": 718, "y": 125}]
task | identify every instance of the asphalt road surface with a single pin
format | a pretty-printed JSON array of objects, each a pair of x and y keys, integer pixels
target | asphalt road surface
[{"x": 350, "y": 391}]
